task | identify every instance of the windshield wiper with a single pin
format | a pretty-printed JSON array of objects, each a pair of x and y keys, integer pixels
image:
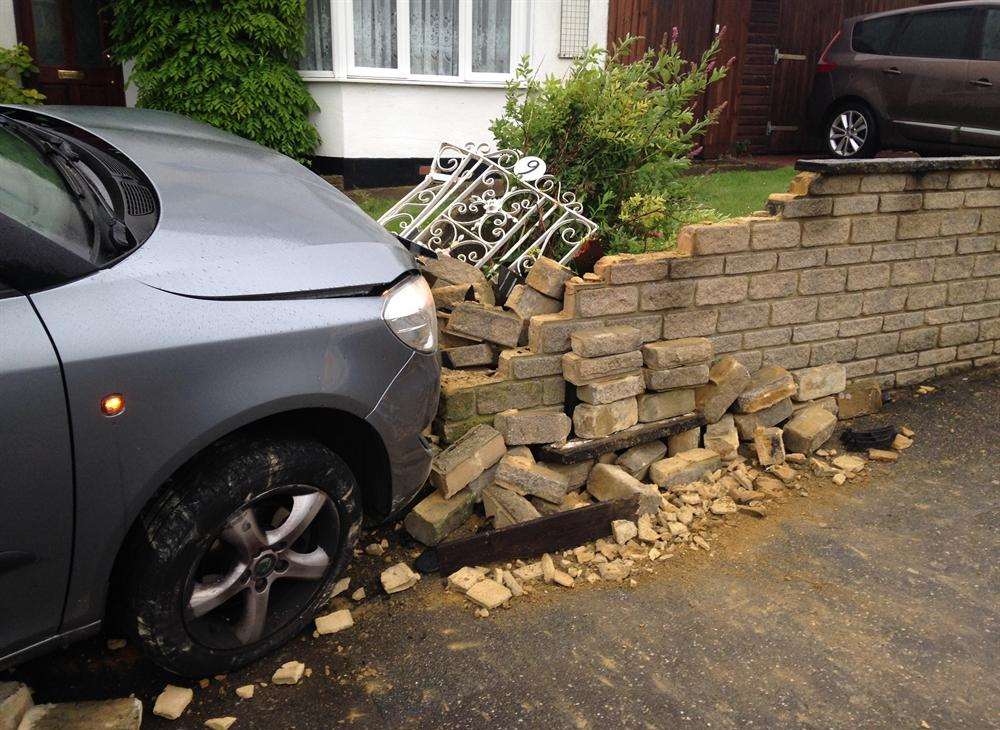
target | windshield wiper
[{"x": 110, "y": 234}]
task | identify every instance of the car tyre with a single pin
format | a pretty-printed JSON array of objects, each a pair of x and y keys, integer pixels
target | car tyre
[
  {"x": 851, "y": 132},
  {"x": 254, "y": 525}
]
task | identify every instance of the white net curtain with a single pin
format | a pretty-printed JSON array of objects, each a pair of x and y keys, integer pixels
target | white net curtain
[{"x": 375, "y": 33}]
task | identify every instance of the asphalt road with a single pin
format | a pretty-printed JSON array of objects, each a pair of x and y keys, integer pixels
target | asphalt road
[{"x": 868, "y": 605}]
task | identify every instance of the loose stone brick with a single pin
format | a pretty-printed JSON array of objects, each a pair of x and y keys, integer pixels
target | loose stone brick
[
  {"x": 788, "y": 260},
  {"x": 769, "y": 444},
  {"x": 809, "y": 429},
  {"x": 610, "y": 481},
  {"x": 666, "y": 295},
  {"x": 820, "y": 381},
  {"x": 880, "y": 301},
  {"x": 722, "y": 438},
  {"x": 826, "y": 232},
  {"x": 597, "y": 300},
  {"x": 469, "y": 356},
  {"x": 605, "y": 341},
  {"x": 873, "y": 228},
  {"x": 855, "y": 204},
  {"x": 793, "y": 311},
  {"x": 609, "y": 390},
  {"x": 522, "y": 364},
  {"x": 631, "y": 269},
  {"x": 524, "y": 476},
  {"x": 679, "y": 377},
  {"x": 842, "y": 306},
  {"x": 506, "y": 507},
  {"x": 768, "y": 386},
  {"x": 728, "y": 378},
  {"x": 871, "y": 276},
  {"x": 686, "y": 268},
  {"x": 504, "y": 395},
  {"x": 447, "y": 296},
  {"x": 741, "y": 318},
  {"x": 875, "y": 345},
  {"x": 550, "y": 333},
  {"x": 746, "y": 263},
  {"x": 683, "y": 441},
  {"x": 723, "y": 290},
  {"x": 532, "y": 427},
  {"x": 636, "y": 460},
  {"x": 434, "y": 517},
  {"x": 773, "y": 286},
  {"x": 823, "y": 281},
  {"x": 526, "y": 302},
  {"x": 705, "y": 240},
  {"x": 769, "y": 337},
  {"x": 791, "y": 206},
  {"x": 748, "y": 423},
  {"x": 581, "y": 370},
  {"x": 548, "y": 277},
  {"x": 597, "y": 421},
  {"x": 478, "y": 322},
  {"x": 686, "y": 467},
  {"x": 657, "y": 406},
  {"x": 690, "y": 324},
  {"x": 844, "y": 255},
  {"x": 673, "y": 353},
  {"x": 774, "y": 234},
  {"x": 829, "y": 403},
  {"x": 466, "y": 459},
  {"x": 859, "y": 399}
]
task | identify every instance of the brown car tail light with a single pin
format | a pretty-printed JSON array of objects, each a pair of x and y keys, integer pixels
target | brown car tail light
[{"x": 824, "y": 65}]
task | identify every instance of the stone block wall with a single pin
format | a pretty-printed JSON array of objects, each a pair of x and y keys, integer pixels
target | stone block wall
[{"x": 891, "y": 267}]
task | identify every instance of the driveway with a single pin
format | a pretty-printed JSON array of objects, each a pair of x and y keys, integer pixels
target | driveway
[{"x": 875, "y": 604}]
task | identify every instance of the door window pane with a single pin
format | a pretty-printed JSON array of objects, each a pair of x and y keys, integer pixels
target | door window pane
[
  {"x": 49, "y": 49},
  {"x": 875, "y": 35},
  {"x": 991, "y": 36},
  {"x": 434, "y": 37},
  {"x": 318, "y": 52},
  {"x": 491, "y": 36},
  {"x": 87, "y": 30},
  {"x": 375, "y": 33},
  {"x": 936, "y": 35}
]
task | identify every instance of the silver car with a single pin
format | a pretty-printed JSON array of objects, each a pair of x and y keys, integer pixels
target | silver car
[{"x": 212, "y": 366}]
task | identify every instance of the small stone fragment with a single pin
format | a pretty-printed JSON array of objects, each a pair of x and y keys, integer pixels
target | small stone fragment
[
  {"x": 901, "y": 442},
  {"x": 850, "y": 464},
  {"x": 220, "y": 723},
  {"x": 548, "y": 568},
  {"x": 839, "y": 479},
  {"x": 15, "y": 701},
  {"x": 488, "y": 593},
  {"x": 464, "y": 578},
  {"x": 172, "y": 701},
  {"x": 120, "y": 714},
  {"x": 331, "y": 623},
  {"x": 623, "y": 530},
  {"x": 374, "y": 549},
  {"x": 882, "y": 455},
  {"x": 615, "y": 570},
  {"x": 358, "y": 595},
  {"x": 288, "y": 673},
  {"x": 245, "y": 692},
  {"x": 563, "y": 579},
  {"x": 723, "y": 506},
  {"x": 398, "y": 578},
  {"x": 908, "y": 432},
  {"x": 770, "y": 446},
  {"x": 513, "y": 586}
]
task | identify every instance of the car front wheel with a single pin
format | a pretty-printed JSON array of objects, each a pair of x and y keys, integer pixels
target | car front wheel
[
  {"x": 852, "y": 132},
  {"x": 239, "y": 552}
]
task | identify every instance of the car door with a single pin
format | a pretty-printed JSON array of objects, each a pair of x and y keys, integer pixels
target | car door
[
  {"x": 36, "y": 479},
  {"x": 925, "y": 79},
  {"x": 981, "y": 125}
]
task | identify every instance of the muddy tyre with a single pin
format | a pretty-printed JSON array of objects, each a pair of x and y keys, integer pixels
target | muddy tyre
[{"x": 239, "y": 551}]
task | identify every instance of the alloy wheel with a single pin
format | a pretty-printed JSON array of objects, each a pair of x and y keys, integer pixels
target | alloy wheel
[
  {"x": 848, "y": 133},
  {"x": 253, "y": 580}
]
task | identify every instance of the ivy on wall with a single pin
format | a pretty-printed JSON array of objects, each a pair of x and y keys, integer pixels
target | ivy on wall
[{"x": 229, "y": 63}]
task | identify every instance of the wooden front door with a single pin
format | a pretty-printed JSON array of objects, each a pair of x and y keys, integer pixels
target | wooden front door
[{"x": 68, "y": 41}]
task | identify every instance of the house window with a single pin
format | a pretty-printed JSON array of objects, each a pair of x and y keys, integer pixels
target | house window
[
  {"x": 449, "y": 40},
  {"x": 318, "y": 50}
]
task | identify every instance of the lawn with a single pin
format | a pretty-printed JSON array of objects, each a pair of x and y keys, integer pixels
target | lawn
[{"x": 730, "y": 194}]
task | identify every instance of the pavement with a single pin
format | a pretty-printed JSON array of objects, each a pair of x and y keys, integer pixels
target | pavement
[{"x": 875, "y": 604}]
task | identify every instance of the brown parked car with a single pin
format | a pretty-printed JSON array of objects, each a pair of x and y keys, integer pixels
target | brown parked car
[{"x": 924, "y": 79}]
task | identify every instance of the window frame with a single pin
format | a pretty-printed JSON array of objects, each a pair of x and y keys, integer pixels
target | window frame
[
  {"x": 344, "y": 68},
  {"x": 971, "y": 34}
]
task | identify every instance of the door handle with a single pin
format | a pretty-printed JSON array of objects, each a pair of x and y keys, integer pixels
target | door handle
[
  {"x": 893, "y": 70},
  {"x": 981, "y": 82}
]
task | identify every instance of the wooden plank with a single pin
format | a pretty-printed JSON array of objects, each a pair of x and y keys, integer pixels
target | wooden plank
[
  {"x": 552, "y": 533},
  {"x": 579, "y": 450}
]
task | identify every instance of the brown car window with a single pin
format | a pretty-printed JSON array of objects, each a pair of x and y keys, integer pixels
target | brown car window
[
  {"x": 876, "y": 35},
  {"x": 990, "y": 50},
  {"x": 941, "y": 34}
]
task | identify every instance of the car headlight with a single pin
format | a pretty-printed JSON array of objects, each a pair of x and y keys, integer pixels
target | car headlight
[{"x": 408, "y": 309}]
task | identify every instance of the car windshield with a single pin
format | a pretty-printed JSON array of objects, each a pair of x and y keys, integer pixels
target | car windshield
[{"x": 33, "y": 193}]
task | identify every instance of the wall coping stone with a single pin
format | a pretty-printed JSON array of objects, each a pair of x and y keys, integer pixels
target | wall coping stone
[{"x": 887, "y": 165}]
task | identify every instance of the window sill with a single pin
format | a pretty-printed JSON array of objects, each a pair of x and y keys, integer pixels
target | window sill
[{"x": 313, "y": 77}]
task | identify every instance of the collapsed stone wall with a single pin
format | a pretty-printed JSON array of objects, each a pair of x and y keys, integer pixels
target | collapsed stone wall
[{"x": 890, "y": 267}]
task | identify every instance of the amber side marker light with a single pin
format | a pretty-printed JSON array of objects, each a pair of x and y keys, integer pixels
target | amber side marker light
[{"x": 112, "y": 405}]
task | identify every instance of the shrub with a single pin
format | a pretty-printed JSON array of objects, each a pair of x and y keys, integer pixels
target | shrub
[
  {"x": 618, "y": 134},
  {"x": 230, "y": 64},
  {"x": 15, "y": 64}
]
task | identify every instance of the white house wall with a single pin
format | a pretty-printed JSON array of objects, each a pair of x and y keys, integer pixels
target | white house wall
[
  {"x": 400, "y": 119},
  {"x": 8, "y": 34}
]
